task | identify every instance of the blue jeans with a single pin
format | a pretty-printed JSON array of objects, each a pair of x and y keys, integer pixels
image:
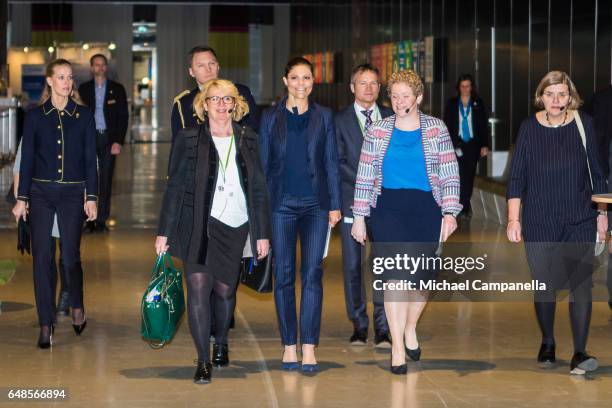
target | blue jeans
[{"x": 303, "y": 216}]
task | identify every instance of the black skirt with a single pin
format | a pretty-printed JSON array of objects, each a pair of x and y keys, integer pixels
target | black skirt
[
  {"x": 406, "y": 221},
  {"x": 224, "y": 252}
]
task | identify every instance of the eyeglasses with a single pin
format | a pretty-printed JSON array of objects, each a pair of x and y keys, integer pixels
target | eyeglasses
[{"x": 216, "y": 99}]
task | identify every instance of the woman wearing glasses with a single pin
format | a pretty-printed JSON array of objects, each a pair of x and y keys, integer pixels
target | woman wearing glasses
[
  {"x": 215, "y": 197},
  {"x": 554, "y": 172}
]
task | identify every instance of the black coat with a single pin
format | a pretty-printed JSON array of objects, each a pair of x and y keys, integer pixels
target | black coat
[
  {"x": 480, "y": 125},
  {"x": 350, "y": 139},
  {"x": 115, "y": 108},
  {"x": 191, "y": 185}
]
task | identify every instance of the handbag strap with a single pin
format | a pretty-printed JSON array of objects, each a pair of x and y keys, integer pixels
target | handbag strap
[{"x": 583, "y": 137}]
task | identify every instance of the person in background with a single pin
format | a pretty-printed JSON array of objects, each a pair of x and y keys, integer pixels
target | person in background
[
  {"x": 58, "y": 174},
  {"x": 408, "y": 184},
  {"x": 553, "y": 174},
  {"x": 351, "y": 124},
  {"x": 300, "y": 160},
  {"x": 466, "y": 118},
  {"x": 108, "y": 102}
]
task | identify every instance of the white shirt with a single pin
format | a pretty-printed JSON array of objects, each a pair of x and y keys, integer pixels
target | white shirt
[
  {"x": 229, "y": 203},
  {"x": 469, "y": 117},
  {"x": 362, "y": 118}
]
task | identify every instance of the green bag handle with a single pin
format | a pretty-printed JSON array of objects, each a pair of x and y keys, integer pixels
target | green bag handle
[{"x": 163, "y": 264}]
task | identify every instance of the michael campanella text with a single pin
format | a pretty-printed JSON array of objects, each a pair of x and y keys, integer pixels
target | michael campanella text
[{"x": 459, "y": 286}]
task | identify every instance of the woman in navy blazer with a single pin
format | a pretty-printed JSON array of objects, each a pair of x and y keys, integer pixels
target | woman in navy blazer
[
  {"x": 58, "y": 175},
  {"x": 300, "y": 160}
]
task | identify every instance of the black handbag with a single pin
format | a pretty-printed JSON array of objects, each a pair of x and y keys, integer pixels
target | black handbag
[
  {"x": 23, "y": 236},
  {"x": 257, "y": 277}
]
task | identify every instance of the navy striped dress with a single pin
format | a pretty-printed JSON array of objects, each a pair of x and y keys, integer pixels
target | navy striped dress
[{"x": 549, "y": 174}]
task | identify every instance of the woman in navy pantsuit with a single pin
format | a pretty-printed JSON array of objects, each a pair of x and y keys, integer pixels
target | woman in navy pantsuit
[
  {"x": 553, "y": 179},
  {"x": 300, "y": 159},
  {"x": 58, "y": 175}
]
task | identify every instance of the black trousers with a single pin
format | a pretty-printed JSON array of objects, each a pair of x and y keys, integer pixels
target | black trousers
[
  {"x": 62, "y": 270},
  {"x": 67, "y": 201},
  {"x": 467, "y": 172},
  {"x": 106, "y": 163},
  {"x": 354, "y": 287}
]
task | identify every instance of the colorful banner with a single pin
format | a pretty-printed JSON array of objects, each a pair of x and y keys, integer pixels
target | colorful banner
[
  {"x": 391, "y": 57},
  {"x": 324, "y": 65}
]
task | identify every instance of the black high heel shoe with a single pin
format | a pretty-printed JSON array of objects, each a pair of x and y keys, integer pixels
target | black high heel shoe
[
  {"x": 220, "y": 355},
  {"x": 400, "y": 369},
  {"x": 46, "y": 342},
  {"x": 78, "y": 328},
  {"x": 415, "y": 355},
  {"x": 203, "y": 374}
]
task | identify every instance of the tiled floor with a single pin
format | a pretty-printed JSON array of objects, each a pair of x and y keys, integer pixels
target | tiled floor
[{"x": 474, "y": 354}]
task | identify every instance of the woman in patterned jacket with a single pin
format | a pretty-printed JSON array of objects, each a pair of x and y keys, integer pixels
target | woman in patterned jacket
[{"x": 408, "y": 185}]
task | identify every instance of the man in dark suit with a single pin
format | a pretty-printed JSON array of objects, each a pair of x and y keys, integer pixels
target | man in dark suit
[
  {"x": 467, "y": 119},
  {"x": 601, "y": 109},
  {"x": 108, "y": 102},
  {"x": 204, "y": 66},
  {"x": 351, "y": 124}
]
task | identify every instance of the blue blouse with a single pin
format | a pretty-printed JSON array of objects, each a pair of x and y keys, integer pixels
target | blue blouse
[
  {"x": 297, "y": 175},
  {"x": 404, "y": 162}
]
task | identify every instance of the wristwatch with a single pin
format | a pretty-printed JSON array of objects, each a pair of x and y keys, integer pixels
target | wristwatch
[{"x": 602, "y": 212}]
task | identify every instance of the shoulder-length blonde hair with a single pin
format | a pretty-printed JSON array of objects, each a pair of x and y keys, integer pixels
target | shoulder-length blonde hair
[
  {"x": 49, "y": 71},
  {"x": 241, "y": 108},
  {"x": 556, "y": 78}
]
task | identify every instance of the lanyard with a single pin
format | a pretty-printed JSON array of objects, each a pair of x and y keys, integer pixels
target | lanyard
[{"x": 224, "y": 165}]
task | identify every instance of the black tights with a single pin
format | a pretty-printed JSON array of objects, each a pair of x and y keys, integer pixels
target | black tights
[
  {"x": 580, "y": 318},
  {"x": 199, "y": 289}
]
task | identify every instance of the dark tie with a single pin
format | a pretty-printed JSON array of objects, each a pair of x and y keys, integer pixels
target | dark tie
[{"x": 368, "y": 115}]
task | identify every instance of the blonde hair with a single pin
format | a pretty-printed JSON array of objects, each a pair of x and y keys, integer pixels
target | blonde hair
[
  {"x": 408, "y": 77},
  {"x": 49, "y": 71},
  {"x": 241, "y": 108},
  {"x": 556, "y": 78}
]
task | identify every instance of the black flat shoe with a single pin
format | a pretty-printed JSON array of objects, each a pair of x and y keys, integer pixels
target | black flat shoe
[
  {"x": 220, "y": 355},
  {"x": 583, "y": 363},
  {"x": 359, "y": 337},
  {"x": 45, "y": 341},
  {"x": 546, "y": 355},
  {"x": 382, "y": 340},
  {"x": 203, "y": 373},
  {"x": 415, "y": 355}
]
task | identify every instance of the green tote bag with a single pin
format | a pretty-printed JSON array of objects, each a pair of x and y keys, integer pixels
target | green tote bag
[{"x": 163, "y": 303}]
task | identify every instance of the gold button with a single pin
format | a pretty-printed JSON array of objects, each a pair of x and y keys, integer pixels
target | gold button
[
  {"x": 59, "y": 170},
  {"x": 59, "y": 142},
  {"x": 59, "y": 157},
  {"x": 59, "y": 127}
]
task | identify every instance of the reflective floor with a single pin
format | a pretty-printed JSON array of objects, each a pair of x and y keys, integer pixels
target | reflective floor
[{"x": 474, "y": 354}]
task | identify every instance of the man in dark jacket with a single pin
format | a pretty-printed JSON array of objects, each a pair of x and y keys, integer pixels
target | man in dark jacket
[
  {"x": 108, "y": 102},
  {"x": 351, "y": 124},
  {"x": 204, "y": 66}
]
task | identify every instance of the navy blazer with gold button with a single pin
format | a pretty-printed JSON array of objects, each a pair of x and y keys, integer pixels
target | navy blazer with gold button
[{"x": 59, "y": 147}]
